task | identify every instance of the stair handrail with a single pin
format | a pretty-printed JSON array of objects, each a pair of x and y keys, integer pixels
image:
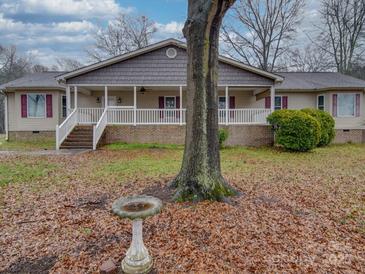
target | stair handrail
[
  {"x": 63, "y": 130},
  {"x": 98, "y": 129}
]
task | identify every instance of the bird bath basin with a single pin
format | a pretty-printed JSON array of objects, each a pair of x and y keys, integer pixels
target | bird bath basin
[{"x": 137, "y": 208}]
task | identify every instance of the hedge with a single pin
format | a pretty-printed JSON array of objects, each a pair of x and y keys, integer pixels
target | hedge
[
  {"x": 295, "y": 130},
  {"x": 327, "y": 125}
]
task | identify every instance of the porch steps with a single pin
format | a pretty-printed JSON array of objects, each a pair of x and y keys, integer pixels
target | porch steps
[{"x": 80, "y": 138}]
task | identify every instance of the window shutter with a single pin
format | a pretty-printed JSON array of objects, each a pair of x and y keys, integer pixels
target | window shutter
[
  {"x": 178, "y": 106},
  {"x": 334, "y": 105},
  {"x": 23, "y": 101},
  {"x": 49, "y": 106},
  {"x": 267, "y": 102},
  {"x": 161, "y": 104},
  {"x": 232, "y": 105},
  {"x": 357, "y": 105},
  {"x": 285, "y": 102}
]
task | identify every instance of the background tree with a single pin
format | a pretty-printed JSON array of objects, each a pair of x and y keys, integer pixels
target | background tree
[
  {"x": 343, "y": 23},
  {"x": 122, "y": 35},
  {"x": 68, "y": 64},
  {"x": 259, "y": 31},
  {"x": 200, "y": 175},
  {"x": 12, "y": 66},
  {"x": 308, "y": 59}
]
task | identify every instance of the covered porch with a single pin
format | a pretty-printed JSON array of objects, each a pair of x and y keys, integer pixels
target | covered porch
[
  {"x": 143, "y": 105},
  {"x": 100, "y": 106}
]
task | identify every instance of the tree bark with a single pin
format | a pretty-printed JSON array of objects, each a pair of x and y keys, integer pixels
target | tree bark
[{"x": 200, "y": 175}]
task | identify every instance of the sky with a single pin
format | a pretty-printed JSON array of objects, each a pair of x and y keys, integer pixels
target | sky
[{"x": 51, "y": 29}]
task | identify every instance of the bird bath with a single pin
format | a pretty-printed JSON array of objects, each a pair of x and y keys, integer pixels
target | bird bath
[{"x": 137, "y": 208}]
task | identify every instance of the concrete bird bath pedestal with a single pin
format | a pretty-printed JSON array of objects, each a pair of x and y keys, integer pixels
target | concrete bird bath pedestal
[{"x": 137, "y": 208}]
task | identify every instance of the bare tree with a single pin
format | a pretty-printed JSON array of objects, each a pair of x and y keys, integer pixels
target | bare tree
[
  {"x": 261, "y": 30},
  {"x": 308, "y": 59},
  {"x": 12, "y": 66},
  {"x": 39, "y": 68},
  {"x": 122, "y": 35},
  {"x": 200, "y": 175},
  {"x": 68, "y": 64},
  {"x": 343, "y": 23}
]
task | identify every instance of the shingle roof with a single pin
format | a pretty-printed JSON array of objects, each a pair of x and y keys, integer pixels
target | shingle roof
[
  {"x": 293, "y": 81},
  {"x": 35, "y": 80},
  {"x": 318, "y": 80}
]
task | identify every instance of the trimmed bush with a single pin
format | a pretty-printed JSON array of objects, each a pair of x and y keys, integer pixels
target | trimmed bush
[
  {"x": 327, "y": 125},
  {"x": 223, "y": 135},
  {"x": 295, "y": 130}
]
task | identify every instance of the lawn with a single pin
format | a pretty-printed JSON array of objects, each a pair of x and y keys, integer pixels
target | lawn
[
  {"x": 25, "y": 145},
  {"x": 296, "y": 212}
]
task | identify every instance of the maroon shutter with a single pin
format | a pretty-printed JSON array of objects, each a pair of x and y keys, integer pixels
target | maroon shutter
[
  {"x": 49, "y": 105},
  {"x": 357, "y": 105},
  {"x": 267, "y": 102},
  {"x": 334, "y": 105},
  {"x": 178, "y": 106},
  {"x": 232, "y": 105},
  {"x": 161, "y": 104},
  {"x": 24, "y": 105},
  {"x": 285, "y": 102}
]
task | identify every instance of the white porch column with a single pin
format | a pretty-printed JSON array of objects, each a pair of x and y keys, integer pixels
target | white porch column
[
  {"x": 6, "y": 117},
  {"x": 272, "y": 98},
  {"x": 227, "y": 111},
  {"x": 181, "y": 113},
  {"x": 134, "y": 105},
  {"x": 75, "y": 94},
  {"x": 68, "y": 100},
  {"x": 105, "y": 97}
]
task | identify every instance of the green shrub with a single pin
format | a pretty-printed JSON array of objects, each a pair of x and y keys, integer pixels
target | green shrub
[
  {"x": 295, "y": 130},
  {"x": 327, "y": 125},
  {"x": 223, "y": 135}
]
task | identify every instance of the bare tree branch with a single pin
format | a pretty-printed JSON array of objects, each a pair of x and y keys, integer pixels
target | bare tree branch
[
  {"x": 343, "y": 23},
  {"x": 122, "y": 35},
  {"x": 261, "y": 30}
]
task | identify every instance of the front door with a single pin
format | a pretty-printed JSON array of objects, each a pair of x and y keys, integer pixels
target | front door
[{"x": 112, "y": 101}]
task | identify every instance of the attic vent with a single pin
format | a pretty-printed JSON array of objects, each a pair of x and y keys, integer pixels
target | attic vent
[{"x": 171, "y": 53}]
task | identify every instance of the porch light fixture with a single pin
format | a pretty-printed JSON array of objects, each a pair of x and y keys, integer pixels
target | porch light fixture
[
  {"x": 119, "y": 100},
  {"x": 98, "y": 100}
]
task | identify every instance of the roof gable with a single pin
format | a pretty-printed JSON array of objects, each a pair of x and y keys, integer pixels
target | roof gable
[
  {"x": 170, "y": 42},
  {"x": 156, "y": 68}
]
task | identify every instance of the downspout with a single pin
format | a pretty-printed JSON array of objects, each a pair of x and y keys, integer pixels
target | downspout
[{"x": 6, "y": 122}]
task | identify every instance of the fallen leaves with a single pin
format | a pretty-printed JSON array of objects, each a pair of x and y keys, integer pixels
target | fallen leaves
[{"x": 291, "y": 217}]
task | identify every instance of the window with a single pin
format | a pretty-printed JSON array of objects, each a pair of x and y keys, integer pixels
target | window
[
  {"x": 320, "y": 102},
  {"x": 278, "y": 103},
  {"x": 36, "y": 105},
  {"x": 170, "y": 102},
  {"x": 346, "y": 105},
  {"x": 64, "y": 106},
  {"x": 222, "y": 102}
]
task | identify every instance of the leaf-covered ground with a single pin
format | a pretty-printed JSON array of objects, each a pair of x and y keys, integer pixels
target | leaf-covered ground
[{"x": 297, "y": 213}]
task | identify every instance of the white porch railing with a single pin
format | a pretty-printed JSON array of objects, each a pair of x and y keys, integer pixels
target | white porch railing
[
  {"x": 89, "y": 115},
  {"x": 120, "y": 116},
  {"x": 63, "y": 130},
  {"x": 130, "y": 116},
  {"x": 98, "y": 129}
]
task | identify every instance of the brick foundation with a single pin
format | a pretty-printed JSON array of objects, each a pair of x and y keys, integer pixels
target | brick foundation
[
  {"x": 244, "y": 135},
  {"x": 31, "y": 136},
  {"x": 356, "y": 136}
]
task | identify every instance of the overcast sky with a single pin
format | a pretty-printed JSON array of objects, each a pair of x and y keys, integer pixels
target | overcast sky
[{"x": 48, "y": 29}]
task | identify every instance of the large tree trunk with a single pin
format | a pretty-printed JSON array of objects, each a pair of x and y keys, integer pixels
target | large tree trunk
[{"x": 200, "y": 176}]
